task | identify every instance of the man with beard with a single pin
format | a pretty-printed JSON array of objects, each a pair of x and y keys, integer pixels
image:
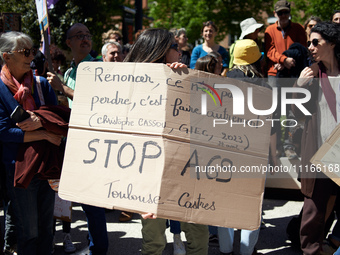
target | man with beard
[{"x": 79, "y": 40}]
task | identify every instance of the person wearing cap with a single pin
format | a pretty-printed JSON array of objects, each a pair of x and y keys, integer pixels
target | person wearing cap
[
  {"x": 250, "y": 30},
  {"x": 247, "y": 58},
  {"x": 279, "y": 37}
]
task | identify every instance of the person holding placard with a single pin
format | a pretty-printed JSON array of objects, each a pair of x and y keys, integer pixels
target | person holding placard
[{"x": 164, "y": 50}]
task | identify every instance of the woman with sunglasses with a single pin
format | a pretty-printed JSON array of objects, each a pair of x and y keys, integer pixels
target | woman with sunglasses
[
  {"x": 209, "y": 32},
  {"x": 32, "y": 206},
  {"x": 159, "y": 46},
  {"x": 324, "y": 47}
]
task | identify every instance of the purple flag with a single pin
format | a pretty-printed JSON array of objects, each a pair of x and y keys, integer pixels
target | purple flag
[{"x": 51, "y": 3}]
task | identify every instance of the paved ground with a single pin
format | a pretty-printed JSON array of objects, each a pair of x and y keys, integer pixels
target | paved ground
[{"x": 125, "y": 238}]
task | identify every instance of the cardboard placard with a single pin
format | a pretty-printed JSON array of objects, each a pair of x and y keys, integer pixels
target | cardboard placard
[
  {"x": 138, "y": 141},
  {"x": 326, "y": 159},
  {"x": 62, "y": 209}
]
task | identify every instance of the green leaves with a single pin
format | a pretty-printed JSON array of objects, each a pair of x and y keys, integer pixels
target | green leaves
[
  {"x": 95, "y": 14},
  {"x": 191, "y": 14}
]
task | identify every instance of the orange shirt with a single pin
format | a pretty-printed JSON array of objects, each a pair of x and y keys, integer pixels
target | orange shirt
[{"x": 277, "y": 42}]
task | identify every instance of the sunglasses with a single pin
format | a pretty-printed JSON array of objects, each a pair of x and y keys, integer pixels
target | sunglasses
[
  {"x": 81, "y": 37},
  {"x": 174, "y": 46},
  {"x": 27, "y": 52},
  {"x": 315, "y": 42},
  {"x": 280, "y": 13}
]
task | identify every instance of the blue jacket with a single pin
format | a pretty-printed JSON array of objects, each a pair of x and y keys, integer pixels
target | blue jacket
[
  {"x": 198, "y": 52},
  {"x": 10, "y": 135}
]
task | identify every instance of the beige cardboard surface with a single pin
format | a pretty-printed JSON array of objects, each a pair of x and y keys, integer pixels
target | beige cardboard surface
[
  {"x": 137, "y": 137},
  {"x": 62, "y": 209},
  {"x": 327, "y": 158}
]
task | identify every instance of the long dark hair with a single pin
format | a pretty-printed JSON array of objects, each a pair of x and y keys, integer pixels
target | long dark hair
[
  {"x": 334, "y": 12},
  {"x": 151, "y": 46},
  {"x": 331, "y": 33},
  {"x": 315, "y": 18},
  {"x": 206, "y": 64}
]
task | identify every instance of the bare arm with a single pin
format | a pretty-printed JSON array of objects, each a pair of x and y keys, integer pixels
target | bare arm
[
  {"x": 148, "y": 216},
  {"x": 176, "y": 65},
  {"x": 58, "y": 85}
]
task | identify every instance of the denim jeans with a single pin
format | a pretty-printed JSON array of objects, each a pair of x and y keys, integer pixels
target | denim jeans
[
  {"x": 212, "y": 230},
  {"x": 33, "y": 210},
  {"x": 248, "y": 240},
  {"x": 337, "y": 252},
  {"x": 175, "y": 227},
  {"x": 96, "y": 223}
]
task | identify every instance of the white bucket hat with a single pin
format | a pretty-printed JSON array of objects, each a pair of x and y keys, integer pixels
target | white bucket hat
[{"x": 249, "y": 26}]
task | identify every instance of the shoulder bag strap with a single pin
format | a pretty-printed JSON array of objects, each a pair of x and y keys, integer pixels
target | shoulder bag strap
[
  {"x": 41, "y": 95},
  {"x": 328, "y": 91}
]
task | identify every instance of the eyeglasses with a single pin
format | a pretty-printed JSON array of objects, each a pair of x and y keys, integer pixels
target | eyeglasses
[
  {"x": 27, "y": 52},
  {"x": 174, "y": 46},
  {"x": 81, "y": 37},
  {"x": 280, "y": 13},
  {"x": 315, "y": 42}
]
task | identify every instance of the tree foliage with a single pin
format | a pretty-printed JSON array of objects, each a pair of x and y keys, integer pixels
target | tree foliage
[
  {"x": 227, "y": 14},
  {"x": 96, "y": 15},
  {"x": 190, "y": 14},
  {"x": 318, "y": 8}
]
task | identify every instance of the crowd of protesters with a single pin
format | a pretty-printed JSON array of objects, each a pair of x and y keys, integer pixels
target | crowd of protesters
[{"x": 35, "y": 105}]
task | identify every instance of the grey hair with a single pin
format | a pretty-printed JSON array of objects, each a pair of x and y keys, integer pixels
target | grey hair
[
  {"x": 178, "y": 32},
  {"x": 12, "y": 41},
  {"x": 104, "y": 48}
]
